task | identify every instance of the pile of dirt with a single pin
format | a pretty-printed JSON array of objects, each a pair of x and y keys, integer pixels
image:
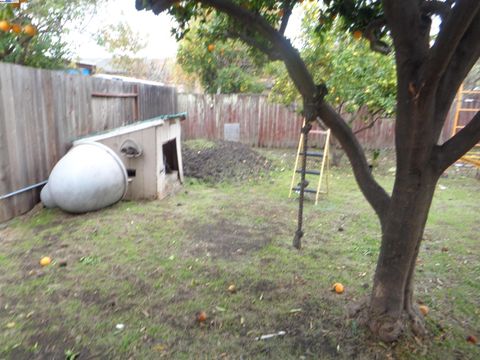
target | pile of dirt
[{"x": 217, "y": 161}]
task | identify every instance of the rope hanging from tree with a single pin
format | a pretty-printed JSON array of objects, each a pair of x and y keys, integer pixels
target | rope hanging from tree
[{"x": 297, "y": 239}]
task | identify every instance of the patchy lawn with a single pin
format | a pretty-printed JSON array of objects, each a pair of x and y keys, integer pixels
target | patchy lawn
[{"x": 152, "y": 266}]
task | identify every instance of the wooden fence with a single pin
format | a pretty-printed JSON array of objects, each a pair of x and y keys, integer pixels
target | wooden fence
[
  {"x": 261, "y": 123},
  {"x": 42, "y": 111}
]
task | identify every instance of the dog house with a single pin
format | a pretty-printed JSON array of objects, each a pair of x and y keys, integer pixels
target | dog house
[{"x": 150, "y": 150}]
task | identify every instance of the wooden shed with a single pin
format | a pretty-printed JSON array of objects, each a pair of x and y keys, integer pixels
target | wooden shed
[{"x": 151, "y": 153}]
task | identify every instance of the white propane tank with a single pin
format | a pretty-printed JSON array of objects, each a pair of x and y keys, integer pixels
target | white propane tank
[{"x": 89, "y": 177}]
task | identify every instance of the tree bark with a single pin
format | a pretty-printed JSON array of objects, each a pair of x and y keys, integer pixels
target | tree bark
[{"x": 391, "y": 304}]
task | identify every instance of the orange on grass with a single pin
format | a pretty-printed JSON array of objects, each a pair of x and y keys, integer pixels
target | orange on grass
[
  {"x": 4, "y": 25},
  {"x": 201, "y": 316},
  {"x": 46, "y": 260},
  {"x": 357, "y": 34},
  {"x": 472, "y": 339},
  {"x": 338, "y": 288},
  {"x": 424, "y": 309}
]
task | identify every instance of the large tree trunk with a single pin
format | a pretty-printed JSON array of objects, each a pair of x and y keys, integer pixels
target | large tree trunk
[{"x": 391, "y": 303}]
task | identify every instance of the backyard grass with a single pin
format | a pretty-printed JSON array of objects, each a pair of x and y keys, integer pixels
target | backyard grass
[{"x": 127, "y": 282}]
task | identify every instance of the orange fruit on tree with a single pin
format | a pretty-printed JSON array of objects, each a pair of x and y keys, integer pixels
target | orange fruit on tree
[
  {"x": 29, "y": 30},
  {"x": 338, "y": 288},
  {"x": 17, "y": 29},
  {"x": 211, "y": 47},
  {"x": 281, "y": 12},
  {"x": 4, "y": 25},
  {"x": 357, "y": 34},
  {"x": 46, "y": 260}
]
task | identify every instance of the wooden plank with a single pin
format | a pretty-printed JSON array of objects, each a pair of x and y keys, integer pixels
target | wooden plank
[
  {"x": 7, "y": 205},
  {"x": 149, "y": 143},
  {"x": 115, "y": 95},
  {"x": 18, "y": 137}
]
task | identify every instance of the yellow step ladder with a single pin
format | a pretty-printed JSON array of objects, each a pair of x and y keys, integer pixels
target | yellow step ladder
[
  {"x": 322, "y": 173},
  {"x": 473, "y": 156}
]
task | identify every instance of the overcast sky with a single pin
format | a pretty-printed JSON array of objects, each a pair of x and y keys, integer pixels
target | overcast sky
[{"x": 155, "y": 30}]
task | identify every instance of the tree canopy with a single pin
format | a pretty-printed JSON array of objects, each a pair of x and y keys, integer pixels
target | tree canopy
[
  {"x": 222, "y": 65},
  {"x": 33, "y": 33},
  {"x": 354, "y": 75}
]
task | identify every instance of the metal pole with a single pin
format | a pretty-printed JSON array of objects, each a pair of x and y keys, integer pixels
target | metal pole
[{"x": 16, "y": 192}]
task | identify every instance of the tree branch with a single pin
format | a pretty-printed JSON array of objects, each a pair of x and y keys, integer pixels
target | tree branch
[
  {"x": 368, "y": 126},
  {"x": 373, "y": 192},
  {"x": 7, "y": 52},
  {"x": 286, "y": 16},
  {"x": 466, "y": 55},
  {"x": 453, "y": 149},
  {"x": 271, "y": 53},
  {"x": 441, "y": 8},
  {"x": 295, "y": 65},
  {"x": 290, "y": 56},
  {"x": 375, "y": 43},
  {"x": 457, "y": 23},
  {"x": 404, "y": 21}
]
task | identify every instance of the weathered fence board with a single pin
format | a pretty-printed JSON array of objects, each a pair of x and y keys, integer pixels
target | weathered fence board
[
  {"x": 42, "y": 111},
  {"x": 264, "y": 124}
]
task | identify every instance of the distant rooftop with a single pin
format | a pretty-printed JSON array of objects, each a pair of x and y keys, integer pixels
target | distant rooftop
[{"x": 128, "y": 79}]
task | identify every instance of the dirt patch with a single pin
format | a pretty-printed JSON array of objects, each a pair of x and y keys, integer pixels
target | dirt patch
[
  {"x": 48, "y": 340},
  {"x": 315, "y": 329},
  {"x": 227, "y": 239},
  {"x": 223, "y": 160}
]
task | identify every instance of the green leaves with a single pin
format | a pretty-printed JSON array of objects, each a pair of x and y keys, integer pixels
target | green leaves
[
  {"x": 355, "y": 76},
  {"x": 222, "y": 65},
  {"x": 335, "y": 49},
  {"x": 120, "y": 40},
  {"x": 47, "y": 49}
]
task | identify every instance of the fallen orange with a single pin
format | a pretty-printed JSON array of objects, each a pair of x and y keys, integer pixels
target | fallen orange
[
  {"x": 338, "y": 288},
  {"x": 357, "y": 35},
  {"x": 424, "y": 309},
  {"x": 46, "y": 260},
  {"x": 472, "y": 339},
  {"x": 201, "y": 316}
]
